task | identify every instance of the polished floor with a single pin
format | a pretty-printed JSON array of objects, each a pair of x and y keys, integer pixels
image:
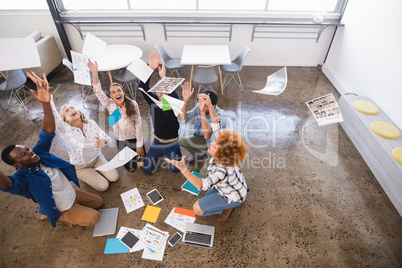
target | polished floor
[{"x": 313, "y": 202}]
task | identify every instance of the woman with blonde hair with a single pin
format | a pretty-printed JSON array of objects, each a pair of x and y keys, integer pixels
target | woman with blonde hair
[
  {"x": 225, "y": 184},
  {"x": 84, "y": 140},
  {"x": 128, "y": 130}
]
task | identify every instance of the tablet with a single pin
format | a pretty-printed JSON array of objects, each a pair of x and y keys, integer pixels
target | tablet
[
  {"x": 154, "y": 196},
  {"x": 129, "y": 239}
]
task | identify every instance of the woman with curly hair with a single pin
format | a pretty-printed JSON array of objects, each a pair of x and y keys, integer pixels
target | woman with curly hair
[
  {"x": 225, "y": 184},
  {"x": 128, "y": 130}
]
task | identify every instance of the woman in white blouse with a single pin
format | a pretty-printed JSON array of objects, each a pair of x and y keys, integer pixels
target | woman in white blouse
[
  {"x": 84, "y": 139},
  {"x": 128, "y": 129}
]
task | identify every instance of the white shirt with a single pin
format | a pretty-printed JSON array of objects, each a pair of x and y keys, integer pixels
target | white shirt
[
  {"x": 62, "y": 190},
  {"x": 80, "y": 148}
]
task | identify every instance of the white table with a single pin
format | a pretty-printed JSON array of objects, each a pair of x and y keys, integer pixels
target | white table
[
  {"x": 118, "y": 56},
  {"x": 206, "y": 55}
]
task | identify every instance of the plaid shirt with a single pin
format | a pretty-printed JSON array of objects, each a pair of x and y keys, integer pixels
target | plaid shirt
[{"x": 229, "y": 181}]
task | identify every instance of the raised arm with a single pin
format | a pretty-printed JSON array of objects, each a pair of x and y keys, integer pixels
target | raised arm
[
  {"x": 93, "y": 67},
  {"x": 197, "y": 182},
  {"x": 43, "y": 95},
  {"x": 187, "y": 92},
  {"x": 206, "y": 129}
]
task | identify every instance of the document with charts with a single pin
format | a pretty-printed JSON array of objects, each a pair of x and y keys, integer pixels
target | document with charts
[
  {"x": 166, "y": 85},
  {"x": 132, "y": 200}
]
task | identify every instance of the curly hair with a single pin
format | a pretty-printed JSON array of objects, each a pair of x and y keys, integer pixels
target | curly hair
[{"x": 231, "y": 149}]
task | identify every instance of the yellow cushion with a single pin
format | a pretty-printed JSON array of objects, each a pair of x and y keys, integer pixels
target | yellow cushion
[
  {"x": 385, "y": 130},
  {"x": 397, "y": 154},
  {"x": 365, "y": 107}
]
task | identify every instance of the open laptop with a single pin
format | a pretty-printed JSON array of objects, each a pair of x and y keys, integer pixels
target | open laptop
[
  {"x": 107, "y": 223},
  {"x": 198, "y": 235}
]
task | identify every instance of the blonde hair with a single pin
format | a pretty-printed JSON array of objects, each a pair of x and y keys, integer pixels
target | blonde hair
[{"x": 63, "y": 115}]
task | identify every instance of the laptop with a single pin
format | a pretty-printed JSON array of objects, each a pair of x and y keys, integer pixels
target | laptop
[
  {"x": 107, "y": 223},
  {"x": 198, "y": 235}
]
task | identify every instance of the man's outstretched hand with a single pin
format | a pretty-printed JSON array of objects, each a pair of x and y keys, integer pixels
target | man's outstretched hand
[{"x": 43, "y": 90}]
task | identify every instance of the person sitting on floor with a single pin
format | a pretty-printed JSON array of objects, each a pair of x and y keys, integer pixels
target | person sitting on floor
[
  {"x": 84, "y": 140},
  {"x": 225, "y": 184},
  {"x": 128, "y": 130},
  {"x": 45, "y": 178},
  {"x": 198, "y": 143},
  {"x": 165, "y": 123}
]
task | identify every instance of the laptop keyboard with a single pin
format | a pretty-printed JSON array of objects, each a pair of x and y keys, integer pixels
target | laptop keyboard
[{"x": 199, "y": 238}]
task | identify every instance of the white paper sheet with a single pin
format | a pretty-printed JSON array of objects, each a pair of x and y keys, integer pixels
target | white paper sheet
[
  {"x": 132, "y": 200},
  {"x": 140, "y": 69},
  {"x": 176, "y": 104},
  {"x": 123, "y": 230},
  {"x": 18, "y": 53},
  {"x": 152, "y": 253},
  {"x": 80, "y": 68},
  {"x": 178, "y": 221},
  {"x": 158, "y": 103},
  {"x": 93, "y": 47},
  {"x": 119, "y": 160}
]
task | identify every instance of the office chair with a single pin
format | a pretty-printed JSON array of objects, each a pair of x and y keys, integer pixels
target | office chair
[
  {"x": 172, "y": 64},
  {"x": 15, "y": 83},
  {"x": 205, "y": 76},
  {"x": 234, "y": 69}
]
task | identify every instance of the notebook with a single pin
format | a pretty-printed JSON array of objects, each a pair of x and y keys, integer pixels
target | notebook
[
  {"x": 107, "y": 223},
  {"x": 198, "y": 235}
]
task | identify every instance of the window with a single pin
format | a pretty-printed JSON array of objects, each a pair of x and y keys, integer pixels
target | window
[{"x": 313, "y": 6}]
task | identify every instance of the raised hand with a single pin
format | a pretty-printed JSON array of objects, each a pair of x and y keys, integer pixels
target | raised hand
[
  {"x": 162, "y": 71},
  {"x": 187, "y": 91},
  {"x": 154, "y": 60},
  {"x": 43, "y": 95},
  {"x": 93, "y": 66}
]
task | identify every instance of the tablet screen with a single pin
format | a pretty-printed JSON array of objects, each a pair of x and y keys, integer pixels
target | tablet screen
[
  {"x": 154, "y": 196},
  {"x": 129, "y": 239}
]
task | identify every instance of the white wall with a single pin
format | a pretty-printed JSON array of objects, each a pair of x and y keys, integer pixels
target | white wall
[
  {"x": 366, "y": 56},
  {"x": 14, "y": 23},
  {"x": 264, "y": 52}
]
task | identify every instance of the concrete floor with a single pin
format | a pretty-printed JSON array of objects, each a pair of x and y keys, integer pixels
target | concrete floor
[{"x": 313, "y": 202}]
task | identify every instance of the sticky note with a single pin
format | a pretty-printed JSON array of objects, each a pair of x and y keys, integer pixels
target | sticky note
[
  {"x": 113, "y": 246},
  {"x": 114, "y": 117},
  {"x": 151, "y": 214}
]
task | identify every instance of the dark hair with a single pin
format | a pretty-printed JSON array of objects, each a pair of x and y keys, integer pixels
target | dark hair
[
  {"x": 130, "y": 109},
  {"x": 212, "y": 95},
  {"x": 5, "y": 155}
]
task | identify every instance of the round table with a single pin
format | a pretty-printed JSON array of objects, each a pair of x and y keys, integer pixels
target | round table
[{"x": 116, "y": 56}]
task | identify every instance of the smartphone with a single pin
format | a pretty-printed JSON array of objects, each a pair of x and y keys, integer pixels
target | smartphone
[
  {"x": 129, "y": 239},
  {"x": 174, "y": 239},
  {"x": 154, "y": 196}
]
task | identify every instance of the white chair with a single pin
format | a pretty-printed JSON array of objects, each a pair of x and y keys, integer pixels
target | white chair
[
  {"x": 127, "y": 79},
  {"x": 172, "y": 64},
  {"x": 205, "y": 76},
  {"x": 276, "y": 83},
  {"x": 234, "y": 69},
  {"x": 85, "y": 89},
  {"x": 15, "y": 83}
]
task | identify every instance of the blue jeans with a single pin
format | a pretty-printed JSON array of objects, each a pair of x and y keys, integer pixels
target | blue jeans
[
  {"x": 214, "y": 203},
  {"x": 155, "y": 153}
]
